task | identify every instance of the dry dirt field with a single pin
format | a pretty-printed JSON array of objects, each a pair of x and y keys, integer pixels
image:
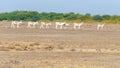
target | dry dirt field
[{"x": 51, "y": 48}]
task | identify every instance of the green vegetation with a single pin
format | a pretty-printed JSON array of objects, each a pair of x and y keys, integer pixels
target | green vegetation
[{"x": 52, "y": 16}]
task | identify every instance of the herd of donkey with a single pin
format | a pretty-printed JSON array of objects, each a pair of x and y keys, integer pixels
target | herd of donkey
[{"x": 58, "y": 25}]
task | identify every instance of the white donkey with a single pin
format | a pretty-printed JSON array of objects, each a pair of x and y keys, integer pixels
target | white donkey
[
  {"x": 15, "y": 23},
  {"x": 32, "y": 24},
  {"x": 100, "y": 26},
  {"x": 61, "y": 25},
  {"x": 45, "y": 25},
  {"x": 77, "y": 25}
]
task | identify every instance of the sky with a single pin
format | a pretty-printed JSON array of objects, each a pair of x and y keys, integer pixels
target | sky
[{"x": 94, "y": 7}]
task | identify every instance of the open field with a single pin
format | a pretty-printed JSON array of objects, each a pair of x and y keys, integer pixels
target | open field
[{"x": 51, "y": 48}]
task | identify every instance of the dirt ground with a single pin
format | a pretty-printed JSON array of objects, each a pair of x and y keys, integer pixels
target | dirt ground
[{"x": 66, "y": 48}]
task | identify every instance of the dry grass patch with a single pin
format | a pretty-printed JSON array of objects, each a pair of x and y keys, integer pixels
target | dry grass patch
[{"x": 2, "y": 48}]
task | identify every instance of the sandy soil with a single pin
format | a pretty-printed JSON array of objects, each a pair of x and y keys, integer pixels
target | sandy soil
[{"x": 41, "y": 48}]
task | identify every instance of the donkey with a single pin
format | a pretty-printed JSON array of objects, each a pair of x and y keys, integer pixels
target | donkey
[{"x": 15, "y": 23}]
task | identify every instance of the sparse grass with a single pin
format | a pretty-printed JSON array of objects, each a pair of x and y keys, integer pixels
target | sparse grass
[
  {"x": 72, "y": 50},
  {"x": 14, "y": 62},
  {"x": 17, "y": 44},
  {"x": 60, "y": 47},
  {"x": 34, "y": 44},
  {"x": 2, "y": 48},
  {"x": 49, "y": 48},
  {"x": 11, "y": 47}
]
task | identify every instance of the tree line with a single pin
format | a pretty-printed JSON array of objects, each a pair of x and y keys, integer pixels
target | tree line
[{"x": 52, "y": 16}]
